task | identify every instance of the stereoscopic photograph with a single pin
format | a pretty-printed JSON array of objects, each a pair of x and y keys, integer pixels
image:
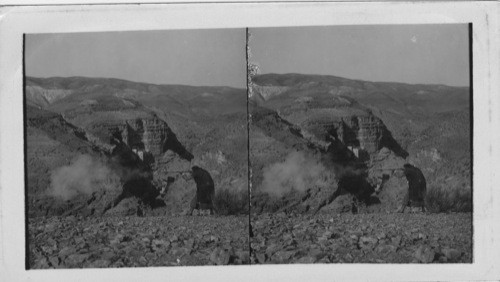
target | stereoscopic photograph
[
  {"x": 266, "y": 141},
  {"x": 360, "y": 144},
  {"x": 136, "y": 149},
  {"x": 278, "y": 145}
]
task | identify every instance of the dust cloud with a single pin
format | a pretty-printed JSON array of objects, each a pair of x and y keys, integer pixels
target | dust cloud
[
  {"x": 84, "y": 175},
  {"x": 298, "y": 172}
]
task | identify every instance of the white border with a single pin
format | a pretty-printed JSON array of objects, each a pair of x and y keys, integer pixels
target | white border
[
  {"x": 103, "y": 2},
  {"x": 14, "y": 21}
]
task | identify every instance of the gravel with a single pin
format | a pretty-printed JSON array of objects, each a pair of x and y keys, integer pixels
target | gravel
[
  {"x": 92, "y": 242},
  {"x": 362, "y": 238},
  {"x": 69, "y": 242}
]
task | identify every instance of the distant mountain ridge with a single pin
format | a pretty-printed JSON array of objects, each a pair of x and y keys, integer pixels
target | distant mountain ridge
[
  {"x": 54, "y": 89},
  {"x": 327, "y": 77},
  {"x": 80, "y": 81},
  {"x": 366, "y": 91}
]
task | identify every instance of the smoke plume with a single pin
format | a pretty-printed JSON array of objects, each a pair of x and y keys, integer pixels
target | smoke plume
[
  {"x": 298, "y": 172},
  {"x": 83, "y": 176}
]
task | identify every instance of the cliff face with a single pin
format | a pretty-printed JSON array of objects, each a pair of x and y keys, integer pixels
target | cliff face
[
  {"x": 148, "y": 137},
  {"x": 360, "y": 131},
  {"x": 363, "y": 132}
]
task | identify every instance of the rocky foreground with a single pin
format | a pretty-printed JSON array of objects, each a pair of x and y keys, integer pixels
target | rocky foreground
[
  {"x": 362, "y": 238},
  {"x": 73, "y": 242},
  {"x": 77, "y": 242}
]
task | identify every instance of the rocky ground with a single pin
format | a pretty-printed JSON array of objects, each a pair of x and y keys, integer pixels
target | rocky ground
[
  {"x": 78, "y": 242},
  {"x": 362, "y": 238}
]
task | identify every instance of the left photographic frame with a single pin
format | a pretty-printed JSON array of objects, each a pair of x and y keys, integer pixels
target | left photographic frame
[{"x": 136, "y": 149}]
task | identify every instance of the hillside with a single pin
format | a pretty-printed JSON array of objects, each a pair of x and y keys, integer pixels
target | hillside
[
  {"x": 391, "y": 102},
  {"x": 383, "y": 124},
  {"x": 168, "y": 127}
]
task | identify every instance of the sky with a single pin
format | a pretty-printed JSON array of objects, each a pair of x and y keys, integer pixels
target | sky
[
  {"x": 435, "y": 54},
  {"x": 428, "y": 54},
  {"x": 192, "y": 57}
]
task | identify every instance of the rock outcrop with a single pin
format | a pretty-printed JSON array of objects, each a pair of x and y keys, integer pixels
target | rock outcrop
[
  {"x": 148, "y": 137},
  {"x": 147, "y": 134},
  {"x": 360, "y": 131}
]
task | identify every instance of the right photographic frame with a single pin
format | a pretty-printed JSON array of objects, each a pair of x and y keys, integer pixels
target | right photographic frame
[{"x": 360, "y": 144}]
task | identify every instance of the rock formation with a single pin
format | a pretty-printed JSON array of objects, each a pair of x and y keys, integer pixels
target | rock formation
[{"x": 148, "y": 137}]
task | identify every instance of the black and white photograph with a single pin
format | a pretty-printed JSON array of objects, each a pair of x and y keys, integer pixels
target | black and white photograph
[
  {"x": 249, "y": 141},
  {"x": 360, "y": 144},
  {"x": 136, "y": 149}
]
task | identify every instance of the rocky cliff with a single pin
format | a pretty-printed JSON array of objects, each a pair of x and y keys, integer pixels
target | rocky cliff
[
  {"x": 151, "y": 136},
  {"x": 357, "y": 130},
  {"x": 147, "y": 136}
]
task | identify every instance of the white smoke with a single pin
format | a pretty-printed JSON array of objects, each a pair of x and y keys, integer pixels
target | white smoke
[
  {"x": 83, "y": 176},
  {"x": 298, "y": 172}
]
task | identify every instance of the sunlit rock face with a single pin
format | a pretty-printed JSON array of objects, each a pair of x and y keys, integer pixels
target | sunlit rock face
[
  {"x": 146, "y": 134},
  {"x": 364, "y": 132}
]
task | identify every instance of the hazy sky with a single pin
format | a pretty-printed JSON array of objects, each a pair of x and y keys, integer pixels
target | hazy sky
[
  {"x": 402, "y": 53},
  {"x": 192, "y": 57},
  {"x": 436, "y": 54}
]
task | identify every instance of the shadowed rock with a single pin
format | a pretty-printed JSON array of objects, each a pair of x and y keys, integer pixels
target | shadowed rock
[
  {"x": 417, "y": 188},
  {"x": 205, "y": 191}
]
